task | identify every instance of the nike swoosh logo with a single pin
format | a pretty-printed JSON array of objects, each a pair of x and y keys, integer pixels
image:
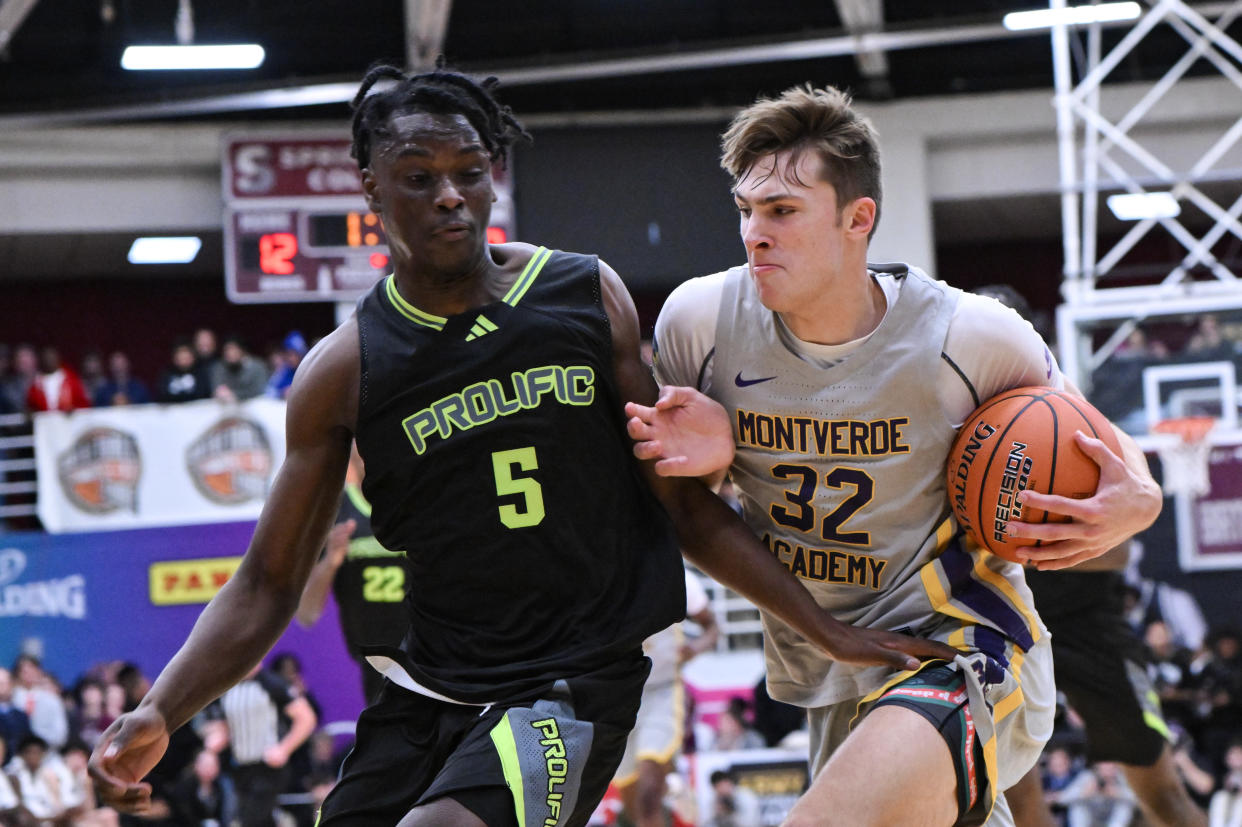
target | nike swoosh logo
[{"x": 745, "y": 383}]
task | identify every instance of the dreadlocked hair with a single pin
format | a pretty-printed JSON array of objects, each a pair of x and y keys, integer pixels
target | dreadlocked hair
[{"x": 438, "y": 92}]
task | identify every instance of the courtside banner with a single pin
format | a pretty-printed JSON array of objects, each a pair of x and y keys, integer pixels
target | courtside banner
[
  {"x": 104, "y": 469},
  {"x": 81, "y": 600},
  {"x": 1209, "y": 527}
]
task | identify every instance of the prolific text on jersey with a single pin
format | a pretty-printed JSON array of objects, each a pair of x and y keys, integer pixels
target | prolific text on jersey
[
  {"x": 481, "y": 402},
  {"x": 825, "y": 437}
]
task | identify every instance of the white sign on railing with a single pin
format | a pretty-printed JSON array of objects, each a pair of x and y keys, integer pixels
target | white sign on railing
[{"x": 157, "y": 465}]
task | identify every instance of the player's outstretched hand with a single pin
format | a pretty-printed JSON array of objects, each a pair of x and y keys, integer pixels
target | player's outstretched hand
[
  {"x": 872, "y": 647},
  {"x": 338, "y": 541},
  {"x": 1123, "y": 504},
  {"x": 126, "y": 752},
  {"x": 687, "y": 433}
]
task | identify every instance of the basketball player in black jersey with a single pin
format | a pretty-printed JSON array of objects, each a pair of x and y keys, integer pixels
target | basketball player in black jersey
[
  {"x": 484, "y": 384},
  {"x": 367, "y": 580}
]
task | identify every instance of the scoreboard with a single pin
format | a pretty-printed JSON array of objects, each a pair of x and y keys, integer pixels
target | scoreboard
[
  {"x": 296, "y": 254},
  {"x": 296, "y": 226}
]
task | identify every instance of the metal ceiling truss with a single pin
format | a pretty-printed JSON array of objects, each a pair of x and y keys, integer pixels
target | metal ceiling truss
[
  {"x": 864, "y": 17},
  {"x": 426, "y": 24},
  {"x": 13, "y": 14},
  {"x": 866, "y": 37},
  {"x": 1092, "y": 149}
]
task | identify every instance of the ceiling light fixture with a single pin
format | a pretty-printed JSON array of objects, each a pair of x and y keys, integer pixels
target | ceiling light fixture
[
  {"x": 186, "y": 55},
  {"x": 1136, "y": 206},
  {"x": 164, "y": 249},
  {"x": 225, "y": 56},
  {"x": 1071, "y": 16}
]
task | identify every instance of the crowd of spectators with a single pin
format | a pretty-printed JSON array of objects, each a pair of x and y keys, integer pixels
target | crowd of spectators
[
  {"x": 199, "y": 367},
  {"x": 215, "y": 773},
  {"x": 1117, "y": 384},
  {"x": 210, "y": 777},
  {"x": 1196, "y": 670}
]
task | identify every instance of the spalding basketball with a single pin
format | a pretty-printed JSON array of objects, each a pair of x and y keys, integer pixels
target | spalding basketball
[{"x": 1021, "y": 439}]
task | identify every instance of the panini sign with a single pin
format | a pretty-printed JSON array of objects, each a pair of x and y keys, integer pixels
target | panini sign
[{"x": 179, "y": 582}]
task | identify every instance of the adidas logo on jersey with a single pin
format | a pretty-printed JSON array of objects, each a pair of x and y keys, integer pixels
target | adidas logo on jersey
[{"x": 482, "y": 326}]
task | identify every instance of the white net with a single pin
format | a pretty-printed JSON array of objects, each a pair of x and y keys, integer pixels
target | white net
[{"x": 1184, "y": 456}]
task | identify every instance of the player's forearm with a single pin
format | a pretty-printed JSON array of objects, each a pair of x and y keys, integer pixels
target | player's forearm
[
  {"x": 315, "y": 595},
  {"x": 232, "y": 634},
  {"x": 1150, "y": 496},
  {"x": 716, "y": 540}
]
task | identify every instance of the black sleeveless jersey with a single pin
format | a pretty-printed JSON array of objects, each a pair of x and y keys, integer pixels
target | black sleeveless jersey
[
  {"x": 369, "y": 587},
  {"x": 496, "y": 457}
]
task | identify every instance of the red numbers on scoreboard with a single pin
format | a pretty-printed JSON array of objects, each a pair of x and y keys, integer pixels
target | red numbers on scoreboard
[{"x": 276, "y": 253}]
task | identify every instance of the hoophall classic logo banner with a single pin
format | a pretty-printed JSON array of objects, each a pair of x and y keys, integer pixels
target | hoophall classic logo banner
[{"x": 157, "y": 465}]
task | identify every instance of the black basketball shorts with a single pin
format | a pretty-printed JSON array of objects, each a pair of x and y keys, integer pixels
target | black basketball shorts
[
  {"x": 938, "y": 694},
  {"x": 550, "y": 756},
  {"x": 1100, "y": 665}
]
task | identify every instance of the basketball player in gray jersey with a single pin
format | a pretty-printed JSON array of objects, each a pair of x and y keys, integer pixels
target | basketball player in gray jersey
[{"x": 832, "y": 391}]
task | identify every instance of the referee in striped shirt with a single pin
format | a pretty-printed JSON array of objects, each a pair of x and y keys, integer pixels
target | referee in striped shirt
[{"x": 262, "y": 720}]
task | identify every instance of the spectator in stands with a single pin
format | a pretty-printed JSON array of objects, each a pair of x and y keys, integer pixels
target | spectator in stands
[
  {"x": 1225, "y": 809},
  {"x": 15, "y": 385},
  {"x": 1208, "y": 342},
  {"x": 206, "y": 351},
  {"x": 78, "y": 789},
  {"x": 36, "y": 695},
  {"x": 1099, "y": 797},
  {"x": 14, "y": 722},
  {"x": 37, "y": 782},
  {"x": 774, "y": 719},
  {"x": 325, "y": 758},
  {"x": 181, "y": 381},
  {"x": 1193, "y": 767},
  {"x": 320, "y": 785},
  {"x": 7, "y": 405},
  {"x": 204, "y": 797},
  {"x": 247, "y": 720},
  {"x": 206, "y": 355},
  {"x": 91, "y": 372},
  {"x": 733, "y": 731},
  {"x": 56, "y": 387},
  {"x": 290, "y": 355},
  {"x": 1171, "y": 674},
  {"x": 121, "y": 386},
  {"x": 1058, "y": 772},
  {"x": 1138, "y": 346},
  {"x": 732, "y": 805},
  {"x": 89, "y": 718},
  {"x": 1220, "y": 689},
  {"x": 133, "y": 683},
  {"x": 11, "y": 813},
  {"x": 114, "y": 700},
  {"x": 1156, "y": 600},
  {"x": 238, "y": 375}
]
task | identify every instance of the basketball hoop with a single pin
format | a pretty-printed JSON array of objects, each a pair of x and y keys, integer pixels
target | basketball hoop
[{"x": 1184, "y": 457}]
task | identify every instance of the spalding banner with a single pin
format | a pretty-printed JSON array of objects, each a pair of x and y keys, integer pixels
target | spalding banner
[
  {"x": 81, "y": 600},
  {"x": 156, "y": 465}
]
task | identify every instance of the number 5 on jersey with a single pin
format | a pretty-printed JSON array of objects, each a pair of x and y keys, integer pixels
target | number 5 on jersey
[{"x": 530, "y": 512}]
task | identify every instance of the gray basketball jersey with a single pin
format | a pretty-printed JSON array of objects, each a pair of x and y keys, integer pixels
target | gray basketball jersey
[{"x": 840, "y": 470}]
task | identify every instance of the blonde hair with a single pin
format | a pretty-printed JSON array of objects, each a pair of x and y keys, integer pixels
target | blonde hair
[{"x": 805, "y": 118}]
